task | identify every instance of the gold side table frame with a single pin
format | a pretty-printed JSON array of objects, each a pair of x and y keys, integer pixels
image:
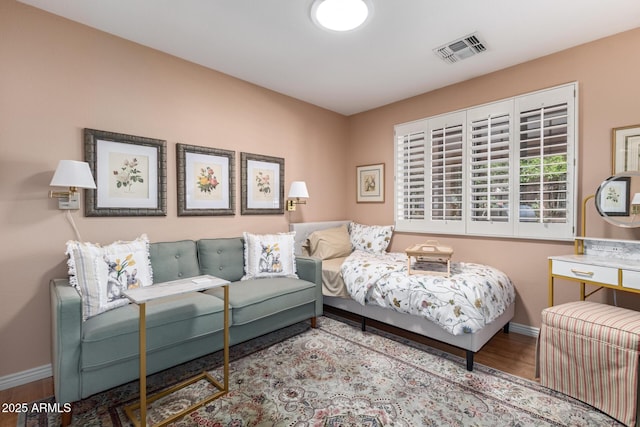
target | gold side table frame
[{"x": 140, "y": 297}]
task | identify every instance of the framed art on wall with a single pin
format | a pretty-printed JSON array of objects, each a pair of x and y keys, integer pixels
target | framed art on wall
[
  {"x": 370, "y": 183},
  {"x": 206, "y": 180},
  {"x": 262, "y": 184},
  {"x": 130, "y": 174},
  {"x": 614, "y": 197},
  {"x": 626, "y": 149}
]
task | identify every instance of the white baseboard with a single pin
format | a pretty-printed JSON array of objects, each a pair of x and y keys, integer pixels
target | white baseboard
[
  {"x": 24, "y": 377},
  {"x": 529, "y": 331}
]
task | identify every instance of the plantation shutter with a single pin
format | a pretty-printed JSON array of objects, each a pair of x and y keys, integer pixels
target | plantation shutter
[
  {"x": 506, "y": 168},
  {"x": 446, "y": 173},
  {"x": 410, "y": 162},
  {"x": 546, "y": 158},
  {"x": 490, "y": 200}
]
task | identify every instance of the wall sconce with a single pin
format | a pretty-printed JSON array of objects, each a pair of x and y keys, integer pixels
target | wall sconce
[
  {"x": 635, "y": 204},
  {"x": 72, "y": 174},
  {"x": 298, "y": 190}
]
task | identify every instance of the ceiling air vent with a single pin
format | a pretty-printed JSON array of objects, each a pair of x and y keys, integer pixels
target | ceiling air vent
[{"x": 461, "y": 49}]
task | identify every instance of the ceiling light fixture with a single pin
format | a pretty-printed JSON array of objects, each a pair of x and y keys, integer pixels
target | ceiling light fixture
[{"x": 340, "y": 15}]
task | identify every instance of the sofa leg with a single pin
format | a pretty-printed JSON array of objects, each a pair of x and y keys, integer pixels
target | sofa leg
[
  {"x": 66, "y": 417},
  {"x": 314, "y": 321}
]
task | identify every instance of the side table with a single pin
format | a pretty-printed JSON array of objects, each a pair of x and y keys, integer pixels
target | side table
[{"x": 141, "y": 296}]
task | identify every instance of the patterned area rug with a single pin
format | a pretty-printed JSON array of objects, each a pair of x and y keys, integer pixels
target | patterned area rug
[{"x": 337, "y": 375}]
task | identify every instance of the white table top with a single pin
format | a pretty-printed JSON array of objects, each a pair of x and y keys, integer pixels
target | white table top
[
  {"x": 599, "y": 261},
  {"x": 174, "y": 287}
]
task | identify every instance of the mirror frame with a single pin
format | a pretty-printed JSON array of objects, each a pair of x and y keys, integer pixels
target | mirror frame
[{"x": 614, "y": 212}]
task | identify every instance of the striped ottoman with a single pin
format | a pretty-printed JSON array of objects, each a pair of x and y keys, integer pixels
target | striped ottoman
[{"x": 590, "y": 351}]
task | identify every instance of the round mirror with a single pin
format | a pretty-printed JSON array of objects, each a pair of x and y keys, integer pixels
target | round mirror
[{"x": 618, "y": 199}]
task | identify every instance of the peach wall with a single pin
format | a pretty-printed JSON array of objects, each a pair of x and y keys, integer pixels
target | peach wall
[
  {"x": 58, "y": 77},
  {"x": 608, "y": 97}
]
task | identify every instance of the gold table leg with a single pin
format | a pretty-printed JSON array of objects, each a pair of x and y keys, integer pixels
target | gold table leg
[{"x": 222, "y": 388}]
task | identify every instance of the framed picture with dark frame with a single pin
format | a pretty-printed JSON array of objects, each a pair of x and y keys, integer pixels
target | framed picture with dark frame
[
  {"x": 626, "y": 149},
  {"x": 262, "y": 184},
  {"x": 130, "y": 174},
  {"x": 613, "y": 196},
  {"x": 370, "y": 183},
  {"x": 206, "y": 181}
]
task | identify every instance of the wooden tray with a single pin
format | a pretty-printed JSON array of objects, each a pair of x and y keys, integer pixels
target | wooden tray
[{"x": 429, "y": 252}]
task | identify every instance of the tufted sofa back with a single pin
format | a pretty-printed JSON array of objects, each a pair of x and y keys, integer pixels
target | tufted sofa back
[
  {"x": 173, "y": 260},
  {"x": 223, "y": 257}
]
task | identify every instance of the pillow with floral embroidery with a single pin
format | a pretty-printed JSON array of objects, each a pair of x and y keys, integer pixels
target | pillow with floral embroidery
[
  {"x": 269, "y": 255},
  {"x": 102, "y": 273},
  {"x": 370, "y": 238}
]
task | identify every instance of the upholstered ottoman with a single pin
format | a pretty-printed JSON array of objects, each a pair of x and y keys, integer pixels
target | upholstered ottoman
[{"x": 590, "y": 351}]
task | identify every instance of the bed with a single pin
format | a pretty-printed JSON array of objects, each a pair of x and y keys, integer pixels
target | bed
[{"x": 348, "y": 285}]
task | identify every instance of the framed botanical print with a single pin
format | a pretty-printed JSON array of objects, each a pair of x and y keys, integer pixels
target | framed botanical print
[
  {"x": 370, "y": 183},
  {"x": 206, "y": 181},
  {"x": 130, "y": 174},
  {"x": 262, "y": 184},
  {"x": 626, "y": 149},
  {"x": 613, "y": 196}
]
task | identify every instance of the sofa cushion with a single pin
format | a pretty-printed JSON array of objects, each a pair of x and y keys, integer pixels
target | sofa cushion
[
  {"x": 222, "y": 257},
  {"x": 259, "y": 298},
  {"x": 113, "y": 336},
  {"x": 174, "y": 260}
]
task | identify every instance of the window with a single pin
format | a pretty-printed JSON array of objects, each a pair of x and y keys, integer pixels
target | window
[{"x": 500, "y": 169}]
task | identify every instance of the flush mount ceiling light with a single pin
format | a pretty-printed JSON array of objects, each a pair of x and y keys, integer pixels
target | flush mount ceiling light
[{"x": 340, "y": 15}]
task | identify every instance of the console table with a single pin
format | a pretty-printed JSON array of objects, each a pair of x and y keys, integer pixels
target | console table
[
  {"x": 141, "y": 296},
  {"x": 606, "y": 263}
]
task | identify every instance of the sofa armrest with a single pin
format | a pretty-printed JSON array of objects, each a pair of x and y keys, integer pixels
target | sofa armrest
[
  {"x": 66, "y": 330},
  {"x": 310, "y": 269}
]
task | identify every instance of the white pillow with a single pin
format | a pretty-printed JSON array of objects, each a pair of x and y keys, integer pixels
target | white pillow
[
  {"x": 102, "y": 273},
  {"x": 370, "y": 238},
  {"x": 269, "y": 255}
]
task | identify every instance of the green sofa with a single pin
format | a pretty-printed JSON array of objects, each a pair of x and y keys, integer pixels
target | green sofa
[{"x": 102, "y": 352}]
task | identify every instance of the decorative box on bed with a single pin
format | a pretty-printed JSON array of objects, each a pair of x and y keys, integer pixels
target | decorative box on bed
[{"x": 468, "y": 323}]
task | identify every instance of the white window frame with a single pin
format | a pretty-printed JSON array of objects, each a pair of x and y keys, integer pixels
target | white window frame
[{"x": 405, "y": 221}]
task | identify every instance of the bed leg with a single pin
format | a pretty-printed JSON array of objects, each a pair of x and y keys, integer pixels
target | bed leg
[
  {"x": 363, "y": 323},
  {"x": 469, "y": 360},
  {"x": 506, "y": 328}
]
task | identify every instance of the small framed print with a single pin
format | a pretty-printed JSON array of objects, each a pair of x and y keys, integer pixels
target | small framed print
[
  {"x": 130, "y": 174},
  {"x": 370, "y": 183},
  {"x": 613, "y": 196},
  {"x": 262, "y": 184},
  {"x": 206, "y": 181},
  {"x": 626, "y": 149}
]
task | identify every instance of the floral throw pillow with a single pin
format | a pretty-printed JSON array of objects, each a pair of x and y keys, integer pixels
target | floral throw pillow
[
  {"x": 269, "y": 255},
  {"x": 370, "y": 238},
  {"x": 102, "y": 273}
]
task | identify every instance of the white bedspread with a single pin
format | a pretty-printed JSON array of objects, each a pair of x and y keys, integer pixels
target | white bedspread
[{"x": 473, "y": 296}]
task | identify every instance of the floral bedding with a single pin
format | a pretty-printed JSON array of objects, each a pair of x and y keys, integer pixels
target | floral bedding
[{"x": 470, "y": 298}]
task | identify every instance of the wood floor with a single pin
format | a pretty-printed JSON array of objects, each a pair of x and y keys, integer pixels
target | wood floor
[{"x": 512, "y": 353}]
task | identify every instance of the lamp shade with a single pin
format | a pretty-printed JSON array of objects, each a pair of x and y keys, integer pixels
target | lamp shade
[
  {"x": 298, "y": 189},
  {"x": 636, "y": 199},
  {"x": 72, "y": 173}
]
